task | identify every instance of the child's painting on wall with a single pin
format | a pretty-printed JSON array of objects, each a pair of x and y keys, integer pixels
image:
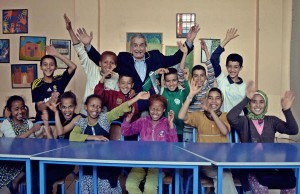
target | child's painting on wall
[
  {"x": 22, "y": 75},
  {"x": 15, "y": 21},
  {"x": 32, "y": 48},
  {"x": 4, "y": 51},
  {"x": 64, "y": 48}
]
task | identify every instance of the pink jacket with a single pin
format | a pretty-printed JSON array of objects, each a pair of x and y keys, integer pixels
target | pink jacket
[{"x": 143, "y": 126}]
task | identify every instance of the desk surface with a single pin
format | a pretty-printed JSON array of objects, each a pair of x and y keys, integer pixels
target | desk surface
[
  {"x": 240, "y": 154},
  {"x": 26, "y": 147},
  {"x": 123, "y": 152}
]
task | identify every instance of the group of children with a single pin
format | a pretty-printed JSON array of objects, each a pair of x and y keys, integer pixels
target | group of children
[{"x": 117, "y": 92}]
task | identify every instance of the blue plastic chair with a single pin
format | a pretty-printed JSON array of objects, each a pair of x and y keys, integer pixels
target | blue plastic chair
[
  {"x": 204, "y": 182},
  {"x": 42, "y": 122},
  {"x": 62, "y": 185}
]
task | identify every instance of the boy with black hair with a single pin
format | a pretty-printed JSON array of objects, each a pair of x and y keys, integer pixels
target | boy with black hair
[
  {"x": 170, "y": 90},
  {"x": 94, "y": 71},
  {"x": 232, "y": 86},
  {"x": 112, "y": 98},
  {"x": 173, "y": 94},
  {"x": 49, "y": 87},
  {"x": 203, "y": 81}
]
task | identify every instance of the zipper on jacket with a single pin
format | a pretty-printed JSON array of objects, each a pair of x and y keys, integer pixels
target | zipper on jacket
[
  {"x": 152, "y": 133},
  {"x": 93, "y": 131}
]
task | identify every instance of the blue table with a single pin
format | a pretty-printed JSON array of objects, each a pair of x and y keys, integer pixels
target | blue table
[
  {"x": 248, "y": 155},
  {"x": 123, "y": 154},
  {"x": 21, "y": 149}
]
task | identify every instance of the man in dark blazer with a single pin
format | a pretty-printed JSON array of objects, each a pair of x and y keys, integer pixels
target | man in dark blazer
[{"x": 139, "y": 62}]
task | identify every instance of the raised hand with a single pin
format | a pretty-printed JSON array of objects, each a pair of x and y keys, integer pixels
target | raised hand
[
  {"x": 143, "y": 95},
  {"x": 51, "y": 50},
  {"x": 45, "y": 116},
  {"x": 129, "y": 115},
  {"x": 54, "y": 97},
  {"x": 203, "y": 45},
  {"x": 140, "y": 96},
  {"x": 52, "y": 105},
  {"x": 182, "y": 47},
  {"x": 68, "y": 22},
  {"x": 205, "y": 105},
  {"x": 230, "y": 34},
  {"x": 171, "y": 116},
  {"x": 131, "y": 93},
  {"x": 192, "y": 33},
  {"x": 171, "y": 119},
  {"x": 186, "y": 73},
  {"x": 109, "y": 73},
  {"x": 36, "y": 127},
  {"x": 194, "y": 89},
  {"x": 84, "y": 37},
  {"x": 287, "y": 100},
  {"x": 251, "y": 89},
  {"x": 161, "y": 71}
]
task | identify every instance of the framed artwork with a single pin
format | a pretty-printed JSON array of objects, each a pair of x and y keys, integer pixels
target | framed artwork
[
  {"x": 22, "y": 75},
  {"x": 170, "y": 50},
  {"x": 184, "y": 21},
  {"x": 64, "y": 48},
  {"x": 211, "y": 44},
  {"x": 32, "y": 48},
  {"x": 4, "y": 50},
  {"x": 154, "y": 40},
  {"x": 15, "y": 21}
]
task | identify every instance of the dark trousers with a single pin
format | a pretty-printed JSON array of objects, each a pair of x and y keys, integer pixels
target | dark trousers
[{"x": 53, "y": 173}]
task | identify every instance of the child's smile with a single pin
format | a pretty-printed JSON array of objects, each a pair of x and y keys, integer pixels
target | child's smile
[{"x": 171, "y": 82}]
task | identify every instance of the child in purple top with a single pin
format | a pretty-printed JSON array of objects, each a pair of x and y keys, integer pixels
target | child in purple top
[{"x": 154, "y": 127}]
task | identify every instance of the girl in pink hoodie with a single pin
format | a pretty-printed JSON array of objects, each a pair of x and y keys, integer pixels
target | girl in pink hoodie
[{"x": 154, "y": 127}]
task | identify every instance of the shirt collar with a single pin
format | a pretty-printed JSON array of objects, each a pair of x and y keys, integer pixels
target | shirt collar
[
  {"x": 136, "y": 61},
  {"x": 105, "y": 77},
  {"x": 232, "y": 82}
]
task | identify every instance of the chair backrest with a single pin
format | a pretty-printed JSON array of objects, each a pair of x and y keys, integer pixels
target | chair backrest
[
  {"x": 236, "y": 137},
  {"x": 194, "y": 133},
  {"x": 1, "y": 120}
]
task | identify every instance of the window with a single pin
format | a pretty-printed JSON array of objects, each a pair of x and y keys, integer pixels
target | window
[{"x": 184, "y": 21}]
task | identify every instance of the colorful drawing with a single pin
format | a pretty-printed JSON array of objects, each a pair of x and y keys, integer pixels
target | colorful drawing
[
  {"x": 184, "y": 21},
  {"x": 64, "y": 48},
  {"x": 15, "y": 21},
  {"x": 4, "y": 51},
  {"x": 154, "y": 40},
  {"x": 170, "y": 50},
  {"x": 211, "y": 44},
  {"x": 22, "y": 75},
  {"x": 32, "y": 48}
]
